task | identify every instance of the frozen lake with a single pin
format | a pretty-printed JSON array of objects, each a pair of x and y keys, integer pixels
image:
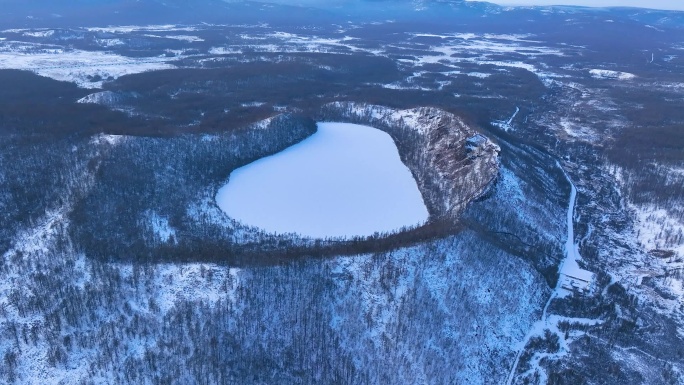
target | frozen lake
[{"x": 345, "y": 180}]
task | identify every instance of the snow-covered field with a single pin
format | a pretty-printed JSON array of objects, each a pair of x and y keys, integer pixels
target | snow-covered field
[
  {"x": 74, "y": 65},
  {"x": 658, "y": 229},
  {"x": 345, "y": 180},
  {"x": 46, "y": 54},
  {"x": 608, "y": 74}
]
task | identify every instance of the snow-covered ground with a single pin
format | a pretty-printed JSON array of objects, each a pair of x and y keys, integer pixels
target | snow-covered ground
[
  {"x": 609, "y": 74},
  {"x": 160, "y": 226},
  {"x": 658, "y": 229},
  {"x": 572, "y": 279},
  {"x": 345, "y": 180},
  {"x": 146, "y": 28},
  {"x": 188, "y": 38},
  {"x": 506, "y": 125},
  {"x": 47, "y": 56},
  {"x": 87, "y": 69}
]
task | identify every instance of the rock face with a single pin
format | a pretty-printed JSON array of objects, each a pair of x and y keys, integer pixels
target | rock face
[{"x": 452, "y": 163}]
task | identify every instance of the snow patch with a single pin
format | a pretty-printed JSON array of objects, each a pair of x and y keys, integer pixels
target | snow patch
[
  {"x": 480, "y": 75},
  {"x": 47, "y": 33},
  {"x": 657, "y": 229},
  {"x": 577, "y": 131},
  {"x": 111, "y": 140},
  {"x": 103, "y": 98},
  {"x": 139, "y": 28},
  {"x": 161, "y": 228},
  {"x": 224, "y": 51},
  {"x": 608, "y": 74},
  {"x": 107, "y": 43},
  {"x": 85, "y": 68},
  {"x": 188, "y": 38},
  {"x": 176, "y": 283},
  {"x": 252, "y": 104}
]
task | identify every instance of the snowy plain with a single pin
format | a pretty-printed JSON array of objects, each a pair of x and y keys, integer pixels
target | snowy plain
[
  {"x": 74, "y": 65},
  {"x": 345, "y": 180},
  {"x": 651, "y": 4}
]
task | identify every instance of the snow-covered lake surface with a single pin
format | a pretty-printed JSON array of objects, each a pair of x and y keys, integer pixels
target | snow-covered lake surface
[{"x": 345, "y": 180}]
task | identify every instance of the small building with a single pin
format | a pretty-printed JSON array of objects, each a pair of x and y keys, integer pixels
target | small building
[
  {"x": 577, "y": 280},
  {"x": 475, "y": 145}
]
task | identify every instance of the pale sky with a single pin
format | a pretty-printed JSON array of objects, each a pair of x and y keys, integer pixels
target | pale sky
[{"x": 653, "y": 4}]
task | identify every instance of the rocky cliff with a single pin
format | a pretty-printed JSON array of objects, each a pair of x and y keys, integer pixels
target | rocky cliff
[{"x": 452, "y": 162}]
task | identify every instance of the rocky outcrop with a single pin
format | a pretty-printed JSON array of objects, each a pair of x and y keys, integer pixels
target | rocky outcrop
[
  {"x": 105, "y": 98},
  {"x": 452, "y": 163}
]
